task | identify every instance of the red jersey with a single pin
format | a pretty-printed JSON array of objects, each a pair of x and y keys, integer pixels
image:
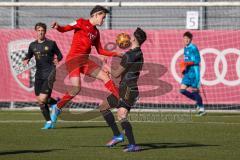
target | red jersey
[{"x": 85, "y": 36}]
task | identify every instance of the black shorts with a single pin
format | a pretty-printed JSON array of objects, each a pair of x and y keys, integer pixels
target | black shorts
[
  {"x": 128, "y": 98},
  {"x": 43, "y": 86}
]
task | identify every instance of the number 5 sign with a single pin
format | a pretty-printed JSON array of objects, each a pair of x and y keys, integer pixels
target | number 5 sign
[{"x": 192, "y": 20}]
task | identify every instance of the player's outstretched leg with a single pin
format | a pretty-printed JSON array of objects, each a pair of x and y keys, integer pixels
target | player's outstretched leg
[
  {"x": 112, "y": 87},
  {"x": 109, "y": 84},
  {"x": 57, "y": 108}
]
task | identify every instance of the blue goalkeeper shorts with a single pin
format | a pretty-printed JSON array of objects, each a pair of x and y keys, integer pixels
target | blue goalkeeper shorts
[{"x": 191, "y": 80}]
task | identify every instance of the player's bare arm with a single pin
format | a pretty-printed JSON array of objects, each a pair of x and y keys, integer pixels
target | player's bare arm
[{"x": 66, "y": 28}]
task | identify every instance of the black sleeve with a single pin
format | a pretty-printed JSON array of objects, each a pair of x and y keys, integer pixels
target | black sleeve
[
  {"x": 29, "y": 55},
  {"x": 57, "y": 52},
  {"x": 124, "y": 62}
]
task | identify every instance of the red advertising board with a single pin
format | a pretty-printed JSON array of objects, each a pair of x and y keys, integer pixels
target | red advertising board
[{"x": 160, "y": 78}]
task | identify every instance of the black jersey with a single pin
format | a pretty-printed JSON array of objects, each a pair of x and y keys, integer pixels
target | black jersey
[
  {"x": 44, "y": 55},
  {"x": 132, "y": 61}
]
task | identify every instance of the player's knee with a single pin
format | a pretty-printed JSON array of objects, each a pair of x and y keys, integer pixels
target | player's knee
[
  {"x": 122, "y": 113},
  {"x": 104, "y": 76},
  {"x": 104, "y": 106},
  {"x": 121, "y": 116},
  {"x": 41, "y": 100}
]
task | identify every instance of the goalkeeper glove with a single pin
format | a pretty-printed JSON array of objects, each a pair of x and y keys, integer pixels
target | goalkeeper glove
[{"x": 184, "y": 65}]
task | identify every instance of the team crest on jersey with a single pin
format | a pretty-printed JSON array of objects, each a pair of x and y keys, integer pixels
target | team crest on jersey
[
  {"x": 23, "y": 75},
  {"x": 46, "y": 48},
  {"x": 92, "y": 37}
]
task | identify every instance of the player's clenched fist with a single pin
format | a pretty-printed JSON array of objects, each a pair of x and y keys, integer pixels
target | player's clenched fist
[
  {"x": 55, "y": 61},
  {"x": 182, "y": 67},
  {"x": 25, "y": 62}
]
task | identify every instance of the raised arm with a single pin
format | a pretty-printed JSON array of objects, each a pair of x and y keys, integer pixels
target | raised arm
[{"x": 69, "y": 27}]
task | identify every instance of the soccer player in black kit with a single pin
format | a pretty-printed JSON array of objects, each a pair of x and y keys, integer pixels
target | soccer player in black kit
[
  {"x": 44, "y": 51},
  {"x": 129, "y": 70}
]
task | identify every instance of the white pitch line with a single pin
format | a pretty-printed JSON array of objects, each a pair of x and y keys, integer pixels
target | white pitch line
[
  {"x": 189, "y": 122},
  {"x": 212, "y": 116},
  {"x": 133, "y": 110},
  {"x": 193, "y": 115}
]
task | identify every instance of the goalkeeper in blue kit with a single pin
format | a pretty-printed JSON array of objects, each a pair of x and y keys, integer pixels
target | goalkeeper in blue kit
[{"x": 190, "y": 69}]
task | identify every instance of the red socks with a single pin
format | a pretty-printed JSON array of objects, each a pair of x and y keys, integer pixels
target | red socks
[
  {"x": 109, "y": 85},
  {"x": 112, "y": 88},
  {"x": 64, "y": 100}
]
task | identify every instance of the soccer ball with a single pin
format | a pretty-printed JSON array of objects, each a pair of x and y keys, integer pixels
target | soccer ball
[{"x": 123, "y": 40}]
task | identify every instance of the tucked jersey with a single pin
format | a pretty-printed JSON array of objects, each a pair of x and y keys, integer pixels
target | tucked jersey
[
  {"x": 44, "y": 55},
  {"x": 132, "y": 61},
  {"x": 85, "y": 36}
]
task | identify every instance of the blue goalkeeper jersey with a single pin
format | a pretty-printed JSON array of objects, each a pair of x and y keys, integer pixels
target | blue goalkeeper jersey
[
  {"x": 191, "y": 54},
  {"x": 192, "y": 73}
]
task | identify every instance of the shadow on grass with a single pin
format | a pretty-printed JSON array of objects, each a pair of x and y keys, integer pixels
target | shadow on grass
[
  {"x": 77, "y": 127},
  {"x": 27, "y": 151},
  {"x": 150, "y": 146}
]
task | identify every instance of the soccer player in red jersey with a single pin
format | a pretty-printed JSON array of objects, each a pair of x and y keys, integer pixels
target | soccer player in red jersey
[{"x": 85, "y": 35}]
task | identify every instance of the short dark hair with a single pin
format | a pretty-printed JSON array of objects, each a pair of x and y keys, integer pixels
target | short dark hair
[
  {"x": 40, "y": 24},
  {"x": 188, "y": 34},
  {"x": 140, "y": 35},
  {"x": 99, "y": 8}
]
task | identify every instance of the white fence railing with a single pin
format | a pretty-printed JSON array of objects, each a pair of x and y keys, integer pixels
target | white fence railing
[{"x": 120, "y": 4}]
